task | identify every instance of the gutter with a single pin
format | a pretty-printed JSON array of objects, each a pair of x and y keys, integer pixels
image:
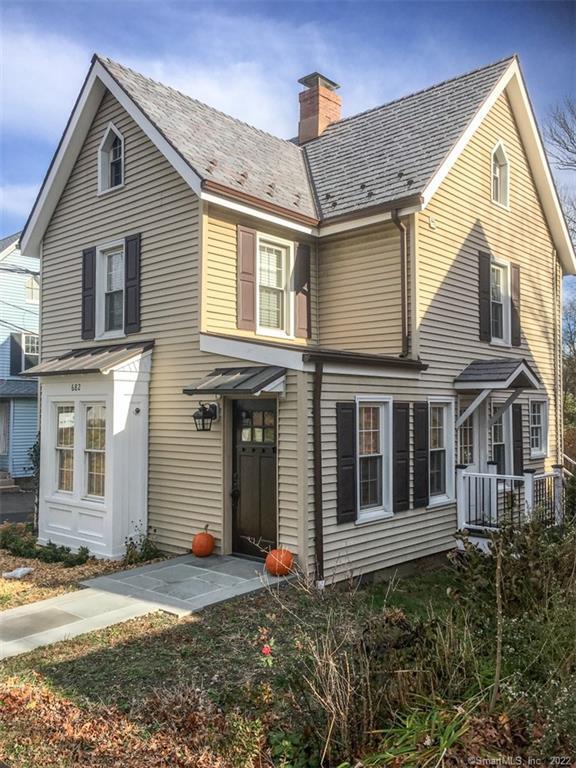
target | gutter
[
  {"x": 317, "y": 453},
  {"x": 403, "y": 281}
]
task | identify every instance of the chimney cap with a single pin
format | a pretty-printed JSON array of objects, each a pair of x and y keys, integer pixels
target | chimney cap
[{"x": 315, "y": 78}]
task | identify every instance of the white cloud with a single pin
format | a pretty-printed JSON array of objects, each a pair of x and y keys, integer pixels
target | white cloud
[{"x": 17, "y": 199}]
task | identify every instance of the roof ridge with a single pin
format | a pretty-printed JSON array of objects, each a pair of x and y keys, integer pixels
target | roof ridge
[
  {"x": 290, "y": 142},
  {"x": 432, "y": 87}
]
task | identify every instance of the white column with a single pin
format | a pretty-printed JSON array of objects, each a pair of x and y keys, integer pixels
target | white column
[
  {"x": 558, "y": 493},
  {"x": 529, "y": 492},
  {"x": 461, "y": 496}
]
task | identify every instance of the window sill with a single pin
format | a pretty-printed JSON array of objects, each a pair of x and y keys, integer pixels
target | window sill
[
  {"x": 441, "y": 501},
  {"x": 500, "y": 343},
  {"x": 274, "y": 333},
  {"x": 538, "y": 454},
  {"x": 504, "y": 206},
  {"x": 102, "y": 192},
  {"x": 373, "y": 516},
  {"x": 110, "y": 335}
]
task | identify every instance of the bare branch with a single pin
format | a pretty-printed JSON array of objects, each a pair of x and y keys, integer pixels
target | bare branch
[{"x": 560, "y": 134}]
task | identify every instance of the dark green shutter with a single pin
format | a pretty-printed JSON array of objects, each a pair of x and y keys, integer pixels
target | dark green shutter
[
  {"x": 89, "y": 293},
  {"x": 484, "y": 270},
  {"x": 401, "y": 457},
  {"x": 346, "y": 462},
  {"x": 516, "y": 331},
  {"x": 132, "y": 284},
  {"x": 421, "y": 481},
  {"x": 517, "y": 439}
]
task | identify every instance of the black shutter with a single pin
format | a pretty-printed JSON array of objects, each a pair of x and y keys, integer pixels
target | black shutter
[
  {"x": 346, "y": 462},
  {"x": 15, "y": 354},
  {"x": 132, "y": 284},
  {"x": 421, "y": 482},
  {"x": 515, "y": 305},
  {"x": 89, "y": 293},
  {"x": 302, "y": 291},
  {"x": 517, "y": 439},
  {"x": 484, "y": 269},
  {"x": 246, "y": 278},
  {"x": 401, "y": 461}
]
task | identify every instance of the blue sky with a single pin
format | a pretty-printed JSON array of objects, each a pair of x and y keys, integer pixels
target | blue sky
[{"x": 245, "y": 58}]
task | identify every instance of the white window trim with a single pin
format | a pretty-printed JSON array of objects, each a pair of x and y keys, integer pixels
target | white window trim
[
  {"x": 23, "y": 346},
  {"x": 541, "y": 453},
  {"x": 499, "y": 146},
  {"x": 450, "y": 432},
  {"x": 79, "y": 494},
  {"x": 506, "y": 304},
  {"x": 101, "y": 252},
  {"x": 103, "y": 162},
  {"x": 289, "y": 293},
  {"x": 386, "y": 437}
]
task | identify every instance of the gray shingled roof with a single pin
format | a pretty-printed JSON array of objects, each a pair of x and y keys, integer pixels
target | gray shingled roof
[
  {"x": 15, "y": 388},
  {"x": 6, "y": 242},
  {"x": 499, "y": 370},
  {"x": 221, "y": 148},
  {"x": 374, "y": 158},
  {"x": 392, "y": 151}
]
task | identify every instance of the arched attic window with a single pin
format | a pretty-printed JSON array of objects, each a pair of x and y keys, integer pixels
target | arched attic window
[
  {"x": 500, "y": 175},
  {"x": 111, "y": 160}
]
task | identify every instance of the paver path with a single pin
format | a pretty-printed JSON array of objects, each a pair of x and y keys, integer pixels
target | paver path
[{"x": 180, "y": 585}]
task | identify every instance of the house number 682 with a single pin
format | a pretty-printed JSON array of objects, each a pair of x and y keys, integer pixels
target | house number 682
[{"x": 75, "y": 387}]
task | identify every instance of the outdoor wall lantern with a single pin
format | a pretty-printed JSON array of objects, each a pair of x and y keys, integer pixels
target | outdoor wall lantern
[{"x": 204, "y": 416}]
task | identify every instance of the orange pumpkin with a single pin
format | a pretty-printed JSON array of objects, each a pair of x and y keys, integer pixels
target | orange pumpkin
[
  {"x": 279, "y": 562},
  {"x": 203, "y": 544}
]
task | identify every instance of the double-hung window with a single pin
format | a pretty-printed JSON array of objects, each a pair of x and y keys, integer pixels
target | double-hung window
[
  {"x": 441, "y": 451},
  {"x": 274, "y": 258},
  {"x": 466, "y": 442},
  {"x": 112, "y": 268},
  {"x": 538, "y": 428},
  {"x": 95, "y": 449},
  {"x": 30, "y": 350},
  {"x": 500, "y": 303},
  {"x": 65, "y": 425},
  {"x": 374, "y": 459}
]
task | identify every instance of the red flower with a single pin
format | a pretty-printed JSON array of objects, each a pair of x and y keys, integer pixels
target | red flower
[{"x": 266, "y": 650}]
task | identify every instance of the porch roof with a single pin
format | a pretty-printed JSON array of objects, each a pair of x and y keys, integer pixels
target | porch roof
[
  {"x": 12, "y": 388},
  {"x": 237, "y": 381},
  {"x": 99, "y": 359},
  {"x": 501, "y": 373}
]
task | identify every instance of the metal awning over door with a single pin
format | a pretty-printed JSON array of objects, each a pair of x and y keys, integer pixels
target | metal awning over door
[{"x": 239, "y": 382}]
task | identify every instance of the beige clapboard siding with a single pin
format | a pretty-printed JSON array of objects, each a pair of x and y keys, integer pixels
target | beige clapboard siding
[
  {"x": 355, "y": 549},
  {"x": 466, "y": 222},
  {"x": 359, "y": 291},
  {"x": 220, "y": 288},
  {"x": 186, "y": 468}
]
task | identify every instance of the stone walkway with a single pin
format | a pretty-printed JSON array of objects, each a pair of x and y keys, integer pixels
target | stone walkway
[{"x": 180, "y": 585}]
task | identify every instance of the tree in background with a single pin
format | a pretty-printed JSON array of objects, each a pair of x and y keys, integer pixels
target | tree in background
[{"x": 560, "y": 135}]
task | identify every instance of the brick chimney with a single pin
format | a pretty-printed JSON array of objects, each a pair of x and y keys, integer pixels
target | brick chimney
[{"x": 319, "y": 106}]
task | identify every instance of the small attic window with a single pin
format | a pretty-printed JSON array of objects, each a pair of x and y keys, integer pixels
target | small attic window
[
  {"x": 500, "y": 175},
  {"x": 111, "y": 160}
]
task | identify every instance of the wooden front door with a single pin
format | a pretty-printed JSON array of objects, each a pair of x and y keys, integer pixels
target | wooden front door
[{"x": 254, "y": 477}]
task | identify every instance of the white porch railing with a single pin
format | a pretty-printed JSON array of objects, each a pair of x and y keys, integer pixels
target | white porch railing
[{"x": 487, "y": 500}]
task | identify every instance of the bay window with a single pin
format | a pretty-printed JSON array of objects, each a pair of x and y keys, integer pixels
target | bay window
[{"x": 81, "y": 449}]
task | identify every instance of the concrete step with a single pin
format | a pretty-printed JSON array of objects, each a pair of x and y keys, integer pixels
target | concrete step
[{"x": 7, "y": 486}]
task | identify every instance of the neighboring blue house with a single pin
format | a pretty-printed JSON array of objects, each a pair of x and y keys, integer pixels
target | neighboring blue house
[{"x": 19, "y": 349}]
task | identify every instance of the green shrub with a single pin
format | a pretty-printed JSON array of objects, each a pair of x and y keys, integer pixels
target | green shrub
[
  {"x": 293, "y": 750},
  {"x": 19, "y": 540}
]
